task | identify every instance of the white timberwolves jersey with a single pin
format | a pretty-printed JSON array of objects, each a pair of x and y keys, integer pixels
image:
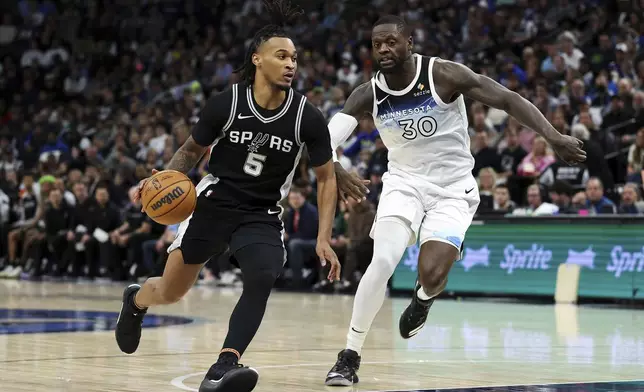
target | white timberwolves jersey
[{"x": 425, "y": 136}]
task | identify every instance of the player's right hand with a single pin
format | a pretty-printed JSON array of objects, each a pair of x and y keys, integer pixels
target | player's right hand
[
  {"x": 137, "y": 196},
  {"x": 350, "y": 185},
  {"x": 325, "y": 253},
  {"x": 568, "y": 148}
]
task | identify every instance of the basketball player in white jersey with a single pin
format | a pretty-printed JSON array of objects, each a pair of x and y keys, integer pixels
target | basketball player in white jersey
[{"x": 429, "y": 193}]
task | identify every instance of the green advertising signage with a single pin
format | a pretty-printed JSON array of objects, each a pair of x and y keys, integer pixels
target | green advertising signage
[{"x": 522, "y": 258}]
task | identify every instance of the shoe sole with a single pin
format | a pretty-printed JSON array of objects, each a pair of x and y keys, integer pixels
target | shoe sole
[
  {"x": 339, "y": 382},
  {"x": 239, "y": 380},
  {"x": 411, "y": 333}
]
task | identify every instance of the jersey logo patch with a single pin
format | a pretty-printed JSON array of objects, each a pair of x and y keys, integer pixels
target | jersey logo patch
[
  {"x": 259, "y": 140},
  {"x": 244, "y": 117},
  {"x": 382, "y": 100}
]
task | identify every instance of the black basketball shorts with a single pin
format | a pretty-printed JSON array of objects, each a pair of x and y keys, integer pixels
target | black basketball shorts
[{"x": 215, "y": 227}]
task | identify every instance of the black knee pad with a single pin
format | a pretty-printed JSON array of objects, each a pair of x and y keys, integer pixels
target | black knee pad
[{"x": 261, "y": 265}]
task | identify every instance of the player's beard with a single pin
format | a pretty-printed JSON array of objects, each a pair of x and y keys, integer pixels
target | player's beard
[
  {"x": 283, "y": 86},
  {"x": 398, "y": 66}
]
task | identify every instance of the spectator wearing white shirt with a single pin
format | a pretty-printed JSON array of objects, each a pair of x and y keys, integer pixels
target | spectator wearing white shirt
[
  {"x": 571, "y": 55},
  {"x": 348, "y": 73}
]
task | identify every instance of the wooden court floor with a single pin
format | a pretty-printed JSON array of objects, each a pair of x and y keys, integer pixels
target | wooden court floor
[{"x": 59, "y": 337}]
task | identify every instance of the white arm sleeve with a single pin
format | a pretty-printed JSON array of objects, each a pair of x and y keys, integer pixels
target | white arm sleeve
[{"x": 340, "y": 127}]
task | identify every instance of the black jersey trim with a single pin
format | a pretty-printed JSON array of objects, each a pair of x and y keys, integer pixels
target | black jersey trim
[
  {"x": 265, "y": 120},
  {"x": 298, "y": 121},
  {"x": 386, "y": 89}
]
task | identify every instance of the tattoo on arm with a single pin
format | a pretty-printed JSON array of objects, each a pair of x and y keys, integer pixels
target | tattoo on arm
[
  {"x": 187, "y": 156},
  {"x": 460, "y": 79},
  {"x": 360, "y": 101}
]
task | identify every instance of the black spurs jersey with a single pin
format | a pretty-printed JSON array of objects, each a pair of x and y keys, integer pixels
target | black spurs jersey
[{"x": 255, "y": 151}]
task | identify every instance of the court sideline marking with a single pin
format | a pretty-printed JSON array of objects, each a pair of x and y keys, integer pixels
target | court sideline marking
[{"x": 178, "y": 382}]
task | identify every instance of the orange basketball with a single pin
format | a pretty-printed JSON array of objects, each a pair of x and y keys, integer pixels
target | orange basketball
[{"x": 169, "y": 197}]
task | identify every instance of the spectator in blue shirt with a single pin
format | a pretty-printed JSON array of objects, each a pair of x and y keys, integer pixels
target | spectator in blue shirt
[{"x": 596, "y": 201}]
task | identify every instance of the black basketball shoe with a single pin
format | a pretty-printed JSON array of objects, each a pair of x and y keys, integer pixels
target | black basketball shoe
[
  {"x": 226, "y": 375},
  {"x": 413, "y": 319},
  {"x": 345, "y": 371},
  {"x": 128, "y": 325}
]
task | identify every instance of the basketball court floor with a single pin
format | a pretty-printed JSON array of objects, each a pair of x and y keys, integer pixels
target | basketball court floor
[{"x": 59, "y": 337}]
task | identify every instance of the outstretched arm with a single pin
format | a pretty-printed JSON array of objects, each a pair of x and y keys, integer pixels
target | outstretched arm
[
  {"x": 454, "y": 78},
  {"x": 341, "y": 126},
  {"x": 344, "y": 122}
]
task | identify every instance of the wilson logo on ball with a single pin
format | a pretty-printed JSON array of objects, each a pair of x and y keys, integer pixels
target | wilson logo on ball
[{"x": 169, "y": 198}]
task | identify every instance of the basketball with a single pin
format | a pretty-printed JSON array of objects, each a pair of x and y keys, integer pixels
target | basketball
[{"x": 169, "y": 197}]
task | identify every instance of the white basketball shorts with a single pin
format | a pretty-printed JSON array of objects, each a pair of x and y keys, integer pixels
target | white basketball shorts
[{"x": 437, "y": 213}]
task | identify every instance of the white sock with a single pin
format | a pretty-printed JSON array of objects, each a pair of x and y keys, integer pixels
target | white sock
[
  {"x": 391, "y": 237},
  {"x": 422, "y": 296}
]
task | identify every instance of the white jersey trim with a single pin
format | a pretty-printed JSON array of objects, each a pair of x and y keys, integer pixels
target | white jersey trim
[
  {"x": 231, "y": 118},
  {"x": 374, "y": 110},
  {"x": 382, "y": 84},
  {"x": 298, "y": 121},
  {"x": 265, "y": 120},
  {"x": 432, "y": 87}
]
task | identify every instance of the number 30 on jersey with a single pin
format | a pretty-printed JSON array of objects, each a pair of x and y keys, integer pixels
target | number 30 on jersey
[{"x": 425, "y": 126}]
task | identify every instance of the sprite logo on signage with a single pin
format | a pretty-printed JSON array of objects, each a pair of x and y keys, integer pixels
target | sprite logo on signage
[
  {"x": 624, "y": 261},
  {"x": 533, "y": 258}
]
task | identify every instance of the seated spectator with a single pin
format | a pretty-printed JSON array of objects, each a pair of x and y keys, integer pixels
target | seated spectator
[
  {"x": 596, "y": 202},
  {"x": 636, "y": 158},
  {"x": 154, "y": 252},
  {"x": 561, "y": 194},
  {"x": 136, "y": 229},
  {"x": 536, "y": 205},
  {"x": 595, "y": 162},
  {"x": 631, "y": 200},
  {"x": 485, "y": 155},
  {"x": 52, "y": 241},
  {"x": 104, "y": 219},
  {"x": 301, "y": 231},
  {"x": 486, "y": 181},
  {"x": 502, "y": 202},
  {"x": 575, "y": 176},
  {"x": 513, "y": 153},
  {"x": 537, "y": 160}
]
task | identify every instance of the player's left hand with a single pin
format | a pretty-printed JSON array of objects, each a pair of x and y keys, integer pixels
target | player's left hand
[
  {"x": 568, "y": 148},
  {"x": 326, "y": 253},
  {"x": 350, "y": 185}
]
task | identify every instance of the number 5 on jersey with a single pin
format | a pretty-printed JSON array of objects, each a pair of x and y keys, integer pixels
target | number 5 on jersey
[{"x": 254, "y": 164}]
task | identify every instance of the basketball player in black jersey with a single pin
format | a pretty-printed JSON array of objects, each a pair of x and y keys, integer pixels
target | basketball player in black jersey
[
  {"x": 257, "y": 131},
  {"x": 392, "y": 51}
]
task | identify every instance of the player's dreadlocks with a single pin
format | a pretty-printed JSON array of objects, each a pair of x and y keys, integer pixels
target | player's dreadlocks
[{"x": 281, "y": 14}]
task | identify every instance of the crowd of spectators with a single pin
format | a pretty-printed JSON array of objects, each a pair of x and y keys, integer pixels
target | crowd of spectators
[{"x": 97, "y": 93}]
